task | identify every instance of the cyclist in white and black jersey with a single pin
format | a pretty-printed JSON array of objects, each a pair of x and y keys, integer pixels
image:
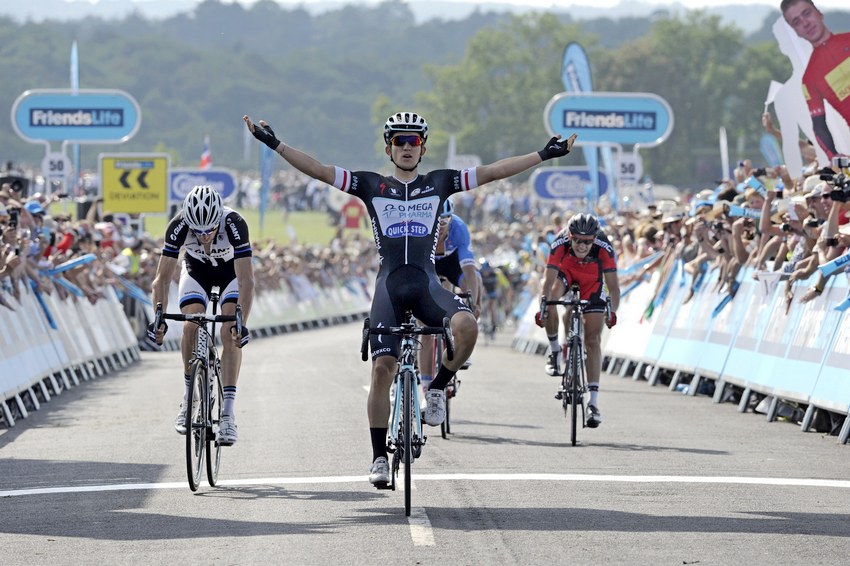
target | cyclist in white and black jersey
[
  {"x": 217, "y": 252},
  {"x": 403, "y": 209}
]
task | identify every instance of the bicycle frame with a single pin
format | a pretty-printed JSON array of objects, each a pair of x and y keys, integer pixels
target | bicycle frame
[
  {"x": 405, "y": 438},
  {"x": 573, "y": 380},
  {"x": 201, "y": 425}
]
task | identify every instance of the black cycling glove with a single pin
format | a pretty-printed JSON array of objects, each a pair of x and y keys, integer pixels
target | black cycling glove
[
  {"x": 246, "y": 335},
  {"x": 266, "y": 135},
  {"x": 152, "y": 332},
  {"x": 555, "y": 148}
]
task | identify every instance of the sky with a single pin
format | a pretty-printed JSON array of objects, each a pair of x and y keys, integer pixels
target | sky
[{"x": 823, "y": 4}]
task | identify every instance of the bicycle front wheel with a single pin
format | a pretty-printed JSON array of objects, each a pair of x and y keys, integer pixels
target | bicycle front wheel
[
  {"x": 407, "y": 428},
  {"x": 196, "y": 425},
  {"x": 215, "y": 401},
  {"x": 574, "y": 367}
]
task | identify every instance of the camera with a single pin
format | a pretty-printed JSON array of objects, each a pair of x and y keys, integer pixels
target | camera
[
  {"x": 760, "y": 172},
  {"x": 841, "y": 162},
  {"x": 718, "y": 226},
  {"x": 832, "y": 242},
  {"x": 13, "y": 218},
  {"x": 812, "y": 223},
  {"x": 786, "y": 227},
  {"x": 779, "y": 193},
  {"x": 838, "y": 195}
]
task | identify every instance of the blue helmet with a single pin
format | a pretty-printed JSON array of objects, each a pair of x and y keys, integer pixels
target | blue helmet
[{"x": 447, "y": 209}]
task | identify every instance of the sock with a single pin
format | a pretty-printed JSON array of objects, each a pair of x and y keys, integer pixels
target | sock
[
  {"x": 443, "y": 377},
  {"x": 594, "y": 392},
  {"x": 229, "y": 399},
  {"x": 426, "y": 381},
  {"x": 379, "y": 442},
  {"x": 186, "y": 379},
  {"x": 553, "y": 343}
]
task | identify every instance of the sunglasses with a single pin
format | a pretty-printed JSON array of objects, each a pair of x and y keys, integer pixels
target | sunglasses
[
  {"x": 583, "y": 241},
  {"x": 203, "y": 232},
  {"x": 412, "y": 139}
]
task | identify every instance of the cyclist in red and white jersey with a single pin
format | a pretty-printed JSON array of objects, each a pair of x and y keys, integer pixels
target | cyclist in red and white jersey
[{"x": 581, "y": 253}]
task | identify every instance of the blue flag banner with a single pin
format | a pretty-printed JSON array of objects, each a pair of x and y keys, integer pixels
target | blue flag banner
[{"x": 266, "y": 164}]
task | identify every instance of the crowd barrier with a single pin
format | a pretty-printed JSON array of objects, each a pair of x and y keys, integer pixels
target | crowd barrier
[
  {"x": 756, "y": 341},
  {"x": 51, "y": 344}
]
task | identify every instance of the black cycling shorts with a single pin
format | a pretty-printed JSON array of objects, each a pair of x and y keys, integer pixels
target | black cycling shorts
[{"x": 409, "y": 288}]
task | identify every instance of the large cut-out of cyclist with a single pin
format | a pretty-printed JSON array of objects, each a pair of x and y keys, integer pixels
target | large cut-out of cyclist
[{"x": 404, "y": 210}]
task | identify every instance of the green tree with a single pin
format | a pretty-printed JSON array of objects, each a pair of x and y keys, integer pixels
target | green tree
[{"x": 493, "y": 99}]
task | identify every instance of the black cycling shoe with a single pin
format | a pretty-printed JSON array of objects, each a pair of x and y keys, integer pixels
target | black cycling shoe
[
  {"x": 552, "y": 365},
  {"x": 594, "y": 417}
]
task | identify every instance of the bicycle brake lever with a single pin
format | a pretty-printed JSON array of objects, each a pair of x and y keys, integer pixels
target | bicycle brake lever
[
  {"x": 364, "y": 343},
  {"x": 239, "y": 320},
  {"x": 450, "y": 339}
]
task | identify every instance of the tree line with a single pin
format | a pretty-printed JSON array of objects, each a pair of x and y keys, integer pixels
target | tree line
[{"x": 326, "y": 82}]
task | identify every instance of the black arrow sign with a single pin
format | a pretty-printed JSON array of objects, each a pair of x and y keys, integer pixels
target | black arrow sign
[{"x": 140, "y": 179}]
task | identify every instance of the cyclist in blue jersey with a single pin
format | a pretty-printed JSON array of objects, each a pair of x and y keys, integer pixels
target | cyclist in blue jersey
[
  {"x": 404, "y": 208},
  {"x": 217, "y": 253},
  {"x": 455, "y": 262}
]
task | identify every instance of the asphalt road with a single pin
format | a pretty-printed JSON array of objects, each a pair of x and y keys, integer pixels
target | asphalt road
[{"x": 98, "y": 475}]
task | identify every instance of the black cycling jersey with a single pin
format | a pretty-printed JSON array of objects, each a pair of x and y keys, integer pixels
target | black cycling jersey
[
  {"x": 231, "y": 242},
  {"x": 489, "y": 279},
  {"x": 404, "y": 223},
  {"x": 404, "y": 215}
]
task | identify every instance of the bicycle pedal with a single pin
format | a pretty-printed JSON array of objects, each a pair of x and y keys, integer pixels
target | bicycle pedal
[{"x": 559, "y": 395}]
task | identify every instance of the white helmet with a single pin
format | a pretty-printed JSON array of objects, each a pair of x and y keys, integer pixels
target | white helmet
[
  {"x": 405, "y": 122},
  {"x": 202, "y": 208}
]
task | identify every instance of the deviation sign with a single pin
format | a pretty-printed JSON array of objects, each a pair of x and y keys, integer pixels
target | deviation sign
[{"x": 135, "y": 183}]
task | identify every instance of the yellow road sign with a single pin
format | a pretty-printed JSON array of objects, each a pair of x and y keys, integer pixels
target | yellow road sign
[{"x": 135, "y": 182}]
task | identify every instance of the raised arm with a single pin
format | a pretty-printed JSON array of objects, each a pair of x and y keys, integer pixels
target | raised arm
[
  {"x": 511, "y": 166},
  {"x": 298, "y": 159}
]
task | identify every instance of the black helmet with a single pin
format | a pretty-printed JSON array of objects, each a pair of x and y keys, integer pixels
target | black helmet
[{"x": 583, "y": 225}]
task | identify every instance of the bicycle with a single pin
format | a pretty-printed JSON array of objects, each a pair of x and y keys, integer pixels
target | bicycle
[
  {"x": 405, "y": 438},
  {"x": 573, "y": 380},
  {"x": 454, "y": 384},
  {"x": 206, "y": 396}
]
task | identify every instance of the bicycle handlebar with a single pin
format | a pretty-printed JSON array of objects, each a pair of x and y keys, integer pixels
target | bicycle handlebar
[
  {"x": 199, "y": 318},
  {"x": 409, "y": 329}
]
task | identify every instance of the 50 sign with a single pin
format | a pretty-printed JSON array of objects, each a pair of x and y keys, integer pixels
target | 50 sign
[
  {"x": 629, "y": 168},
  {"x": 55, "y": 166}
]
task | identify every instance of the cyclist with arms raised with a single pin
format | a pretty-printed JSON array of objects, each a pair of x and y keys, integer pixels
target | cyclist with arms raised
[
  {"x": 404, "y": 210},
  {"x": 217, "y": 253},
  {"x": 581, "y": 253}
]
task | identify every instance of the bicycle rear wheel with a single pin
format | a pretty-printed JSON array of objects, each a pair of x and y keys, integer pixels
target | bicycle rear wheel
[
  {"x": 445, "y": 429},
  {"x": 196, "y": 425},
  {"x": 216, "y": 399},
  {"x": 407, "y": 410},
  {"x": 573, "y": 365}
]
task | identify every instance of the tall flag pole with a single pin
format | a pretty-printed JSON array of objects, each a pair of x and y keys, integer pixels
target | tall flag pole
[
  {"x": 266, "y": 164},
  {"x": 75, "y": 87},
  {"x": 576, "y": 76}
]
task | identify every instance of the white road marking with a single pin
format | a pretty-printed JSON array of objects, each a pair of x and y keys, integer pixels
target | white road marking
[
  {"x": 420, "y": 527},
  {"x": 421, "y": 532},
  {"x": 796, "y": 482}
]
